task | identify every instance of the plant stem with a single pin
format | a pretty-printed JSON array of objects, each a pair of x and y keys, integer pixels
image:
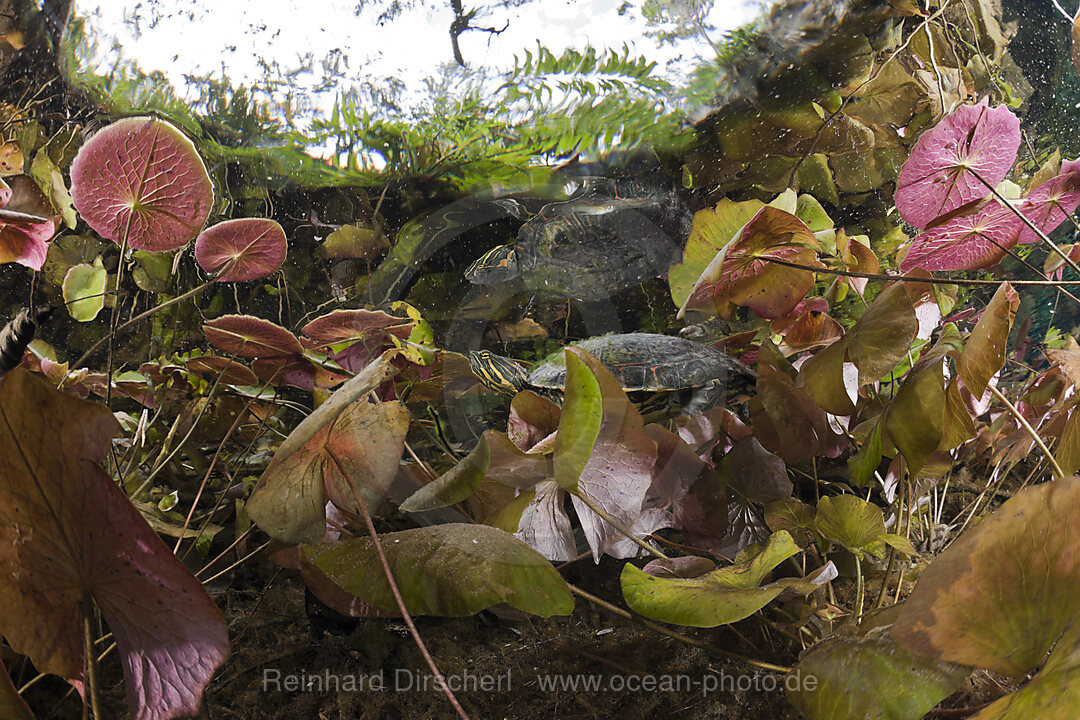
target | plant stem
[
  {"x": 860, "y": 590},
  {"x": 89, "y": 664},
  {"x": 140, "y": 317},
  {"x": 394, "y": 589},
  {"x": 1030, "y": 430},
  {"x": 926, "y": 280},
  {"x": 618, "y": 525}
]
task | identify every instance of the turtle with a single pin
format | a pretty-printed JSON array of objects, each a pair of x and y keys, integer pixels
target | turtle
[
  {"x": 608, "y": 236},
  {"x": 663, "y": 375}
]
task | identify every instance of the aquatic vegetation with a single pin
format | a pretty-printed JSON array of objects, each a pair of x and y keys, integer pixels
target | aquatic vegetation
[{"x": 302, "y": 364}]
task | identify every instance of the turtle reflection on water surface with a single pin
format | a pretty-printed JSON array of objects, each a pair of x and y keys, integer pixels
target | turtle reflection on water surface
[
  {"x": 662, "y": 375},
  {"x": 610, "y": 236}
]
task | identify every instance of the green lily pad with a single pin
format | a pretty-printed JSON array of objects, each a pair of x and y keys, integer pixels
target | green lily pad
[
  {"x": 451, "y": 570},
  {"x": 716, "y": 598},
  {"x": 852, "y": 678},
  {"x": 84, "y": 290}
]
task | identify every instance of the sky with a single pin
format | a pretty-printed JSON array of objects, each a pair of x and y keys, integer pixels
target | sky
[{"x": 200, "y": 37}]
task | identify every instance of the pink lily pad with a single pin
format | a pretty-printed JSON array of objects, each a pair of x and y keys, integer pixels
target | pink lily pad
[
  {"x": 975, "y": 141},
  {"x": 249, "y": 336},
  {"x": 141, "y": 180},
  {"x": 1050, "y": 203},
  {"x": 974, "y": 239},
  {"x": 68, "y": 534},
  {"x": 244, "y": 249}
]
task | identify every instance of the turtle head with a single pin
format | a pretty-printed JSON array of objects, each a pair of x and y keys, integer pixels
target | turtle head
[
  {"x": 497, "y": 265},
  {"x": 500, "y": 374}
]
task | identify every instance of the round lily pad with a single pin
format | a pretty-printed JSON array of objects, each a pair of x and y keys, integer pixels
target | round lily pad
[
  {"x": 141, "y": 180},
  {"x": 243, "y": 249}
]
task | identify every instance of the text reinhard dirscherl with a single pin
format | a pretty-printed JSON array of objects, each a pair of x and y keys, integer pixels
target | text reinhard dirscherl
[{"x": 416, "y": 680}]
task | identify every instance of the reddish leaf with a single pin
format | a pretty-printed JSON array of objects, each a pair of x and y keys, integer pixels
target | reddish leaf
[
  {"x": 24, "y": 238},
  {"x": 12, "y": 706},
  {"x": 141, "y": 180},
  {"x": 231, "y": 371},
  {"x": 244, "y": 249},
  {"x": 1051, "y": 202},
  {"x": 344, "y": 437},
  {"x": 974, "y": 239},
  {"x": 365, "y": 331},
  {"x": 67, "y": 532},
  {"x": 741, "y": 273},
  {"x": 249, "y": 336},
  {"x": 944, "y": 168}
]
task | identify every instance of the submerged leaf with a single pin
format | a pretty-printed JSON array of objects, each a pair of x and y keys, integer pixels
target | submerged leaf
[
  {"x": 67, "y": 534},
  {"x": 1024, "y": 558},
  {"x": 870, "y": 677},
  {"x": 722, "y": 596},
  {"x": 249, "y": 336},
  {"x": 742, "y": 272},
  {"x": 451, "y": 570},
  {"x": 84, "y": 290}
]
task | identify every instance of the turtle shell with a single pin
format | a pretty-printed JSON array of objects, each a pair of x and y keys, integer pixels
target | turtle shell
[
  {"x": 650, "y": 362},
  {"x": 602, "y": 241}
]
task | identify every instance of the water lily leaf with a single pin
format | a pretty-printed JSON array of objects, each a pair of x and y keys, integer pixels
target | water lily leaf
[
  {"x": 1067, "y": 453},
  {"x": 51, "y": 181},
  {"x": 84, "y": 290},
  {"x": 355, "y": 241},
  {"x": 532, "y": 418},
  {"x": 883, "y": 335},
  {"x": 891, "y": 97},
  {"x": 984, "y": 353},
  {"x": 152, "y": 271},
  {"x": 141, "y": 180},
  {"x": 822, "y": 375},
  {"x": 456, "y": 484},
  {"x": 451, "y": 570},
  {"x": 359, "y": 449},
  {"x": 720, "y": 597},
  {"x": 792, "y": 516},
  {"x": 742, "y": 274},
  {"x": 1051, "y": 202},
  {"x": 231, "y": 371},
  {"x": 712, "y": 229},
  {"x": 249, "y": 336},
  {"x": 24, "y": 239},
  {"x": 1025, "y": 558},
  {"x": 852, "y": 522},
  {"x": 12, "y": 706},
  {"x": 946, "y": 164},
  {"x": 615, "y": 456},
  {"x": 976, "y": 237},
  {"x": 1051, "y": 695},
  {"x": 870, "y": 677},
  {"x": 864, "y": 463},
  {"x": 354, "y": 337},
  {"x": 544, "y": 524},
  {"x": 242, "y": 249},
  {"x": 291, "y": 507},
  {"x": 67, "y": 533},
  {"x": 582, "y": 416},
  {"x": 915, "y": 419}
]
